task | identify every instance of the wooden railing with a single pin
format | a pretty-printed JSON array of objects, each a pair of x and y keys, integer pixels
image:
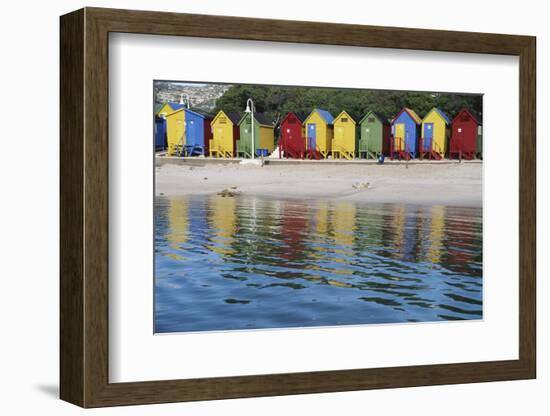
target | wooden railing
[
  {"x": 399, "y": 147},
  {"x": 244, "y": 149},
  {"x": 363, "y": 147},
  {"x": 341, "y": 151},
  {"x": 434, "y": 151},
  {"x": 216, "y": 151},
  {"x": 287, "y": 148}
]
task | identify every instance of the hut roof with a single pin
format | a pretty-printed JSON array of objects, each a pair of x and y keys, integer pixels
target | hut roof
[
  {"x": 233, "y": 116},
  {"x": 325, "y": 114},
  {"x": 470, "y": 113},
  {"x": 261, "y": 118},
  {"x": 198, "y": 113},
  {"x": 441, "y": 114},
  {"x": 353, "y": 116},
  {"x": 382, "y": 117},
  {"x": 411, "y": 114},
  {"x": 157, "y": 107},
  {"x": 302, "y": 115},
  {"x": 176, "y": 106},
  {"x": 299, "y": 115}
]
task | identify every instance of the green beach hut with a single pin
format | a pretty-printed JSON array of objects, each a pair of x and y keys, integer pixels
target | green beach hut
[
  {"x": 264, "y": 137},
  {"x": 375, "y": 135}
]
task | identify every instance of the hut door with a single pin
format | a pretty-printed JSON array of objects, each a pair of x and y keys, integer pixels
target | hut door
[
  {"x": 459, "y": 139},
  {"x": 312, "y": 136},
  {"x": 428, "y": 136},
  {"x": 293, "y": 138},
  {"x": 220, "y": 139},
  {"x": 400, "y": 136},
  {"x": 191, "y": 133},
  {"x": 290, "y": 134},
  {"x": 368, "y": 137},
  {"x": 160, "y": 138}
]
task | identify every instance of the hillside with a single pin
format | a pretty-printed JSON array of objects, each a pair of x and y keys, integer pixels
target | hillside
[{"x": 202, "y": 96}]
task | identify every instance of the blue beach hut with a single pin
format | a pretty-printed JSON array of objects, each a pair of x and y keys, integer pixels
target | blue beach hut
[
  {"x": 405, "y": 133},
  {"x": 198, "y": 133}
]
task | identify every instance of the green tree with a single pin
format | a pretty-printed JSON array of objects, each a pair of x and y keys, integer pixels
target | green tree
[{"x": 276, "y": 101}]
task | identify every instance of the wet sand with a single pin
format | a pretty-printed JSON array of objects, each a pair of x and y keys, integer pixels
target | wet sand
[{"x": 455, "y": 184}]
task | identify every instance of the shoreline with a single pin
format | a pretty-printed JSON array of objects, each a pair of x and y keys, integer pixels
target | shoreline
[{"x": 453, "y": 184}]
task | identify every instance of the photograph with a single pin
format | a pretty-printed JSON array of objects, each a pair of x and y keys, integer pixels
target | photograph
[
  {"x": 281, "y": 207},
  {"x": 319, "y": 207}
]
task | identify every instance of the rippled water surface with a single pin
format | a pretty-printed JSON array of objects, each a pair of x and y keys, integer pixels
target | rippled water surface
[{"x": 225, "y": 263}]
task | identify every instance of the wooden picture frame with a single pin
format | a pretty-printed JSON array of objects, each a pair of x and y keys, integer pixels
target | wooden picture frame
[{"x": 84, "y": 207}]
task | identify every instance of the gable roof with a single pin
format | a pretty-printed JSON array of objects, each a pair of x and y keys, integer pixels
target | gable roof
[
  {"x": 173, "y": 106},
  {"x": 325, "y": 115},
  {"x": 441, "y": 114},
  {"x": 470, "y": 113},
  {"x": 354, "y": 117},
  {"x": 165, "y": 104},
  {"x": 174, "y": 112},
  {"x": 381, "y": 117},
  {"x": 261, "y": 118},
  {"x": 410, "y": 113},
  {"x": 197, "y": 113},
  {"x": 300, "y": 115},
  {"x": 177, "y": 106},
  {"x": 231, "y": 115},
  {"x": 157, "y": 107}
]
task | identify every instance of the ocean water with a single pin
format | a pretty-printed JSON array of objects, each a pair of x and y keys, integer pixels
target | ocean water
[{"x": 234, "y": 263}]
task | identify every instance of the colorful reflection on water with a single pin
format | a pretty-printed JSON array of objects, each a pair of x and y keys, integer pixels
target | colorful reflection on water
[{"x": 226, "y": 263}]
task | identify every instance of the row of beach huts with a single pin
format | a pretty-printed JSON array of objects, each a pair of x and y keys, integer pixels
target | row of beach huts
[{"x": 318, "y": 135}]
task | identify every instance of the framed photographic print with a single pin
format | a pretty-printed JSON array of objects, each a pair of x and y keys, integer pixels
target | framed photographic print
[{"x": 255, "y": 207}]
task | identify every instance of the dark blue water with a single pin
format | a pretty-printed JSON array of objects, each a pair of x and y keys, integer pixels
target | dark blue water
[{"x": 226, "y": 263}]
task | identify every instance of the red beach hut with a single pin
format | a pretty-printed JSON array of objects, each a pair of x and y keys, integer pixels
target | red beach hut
[
  {"x": 292, "y": 142},
  {"x": 464, "y": 135}
]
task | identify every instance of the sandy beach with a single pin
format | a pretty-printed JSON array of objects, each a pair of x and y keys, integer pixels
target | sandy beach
[{"x": 454, "y": 184}]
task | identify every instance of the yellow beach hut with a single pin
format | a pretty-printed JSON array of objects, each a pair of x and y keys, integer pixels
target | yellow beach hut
[
  {"x": 175, "y": 132},
  {"x": 319, "y": 133},
  {"x": 344, "y": 143},
  {"x": 225, "y": 133},
  {"x": 161, "y": 111},
  {"x": 435, "y": 134}
]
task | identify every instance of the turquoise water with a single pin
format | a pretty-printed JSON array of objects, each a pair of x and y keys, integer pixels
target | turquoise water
[{"x": 227, "y": 263}]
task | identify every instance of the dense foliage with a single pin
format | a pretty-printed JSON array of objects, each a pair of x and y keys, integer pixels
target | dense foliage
[{"x": 276, "y": 101}]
